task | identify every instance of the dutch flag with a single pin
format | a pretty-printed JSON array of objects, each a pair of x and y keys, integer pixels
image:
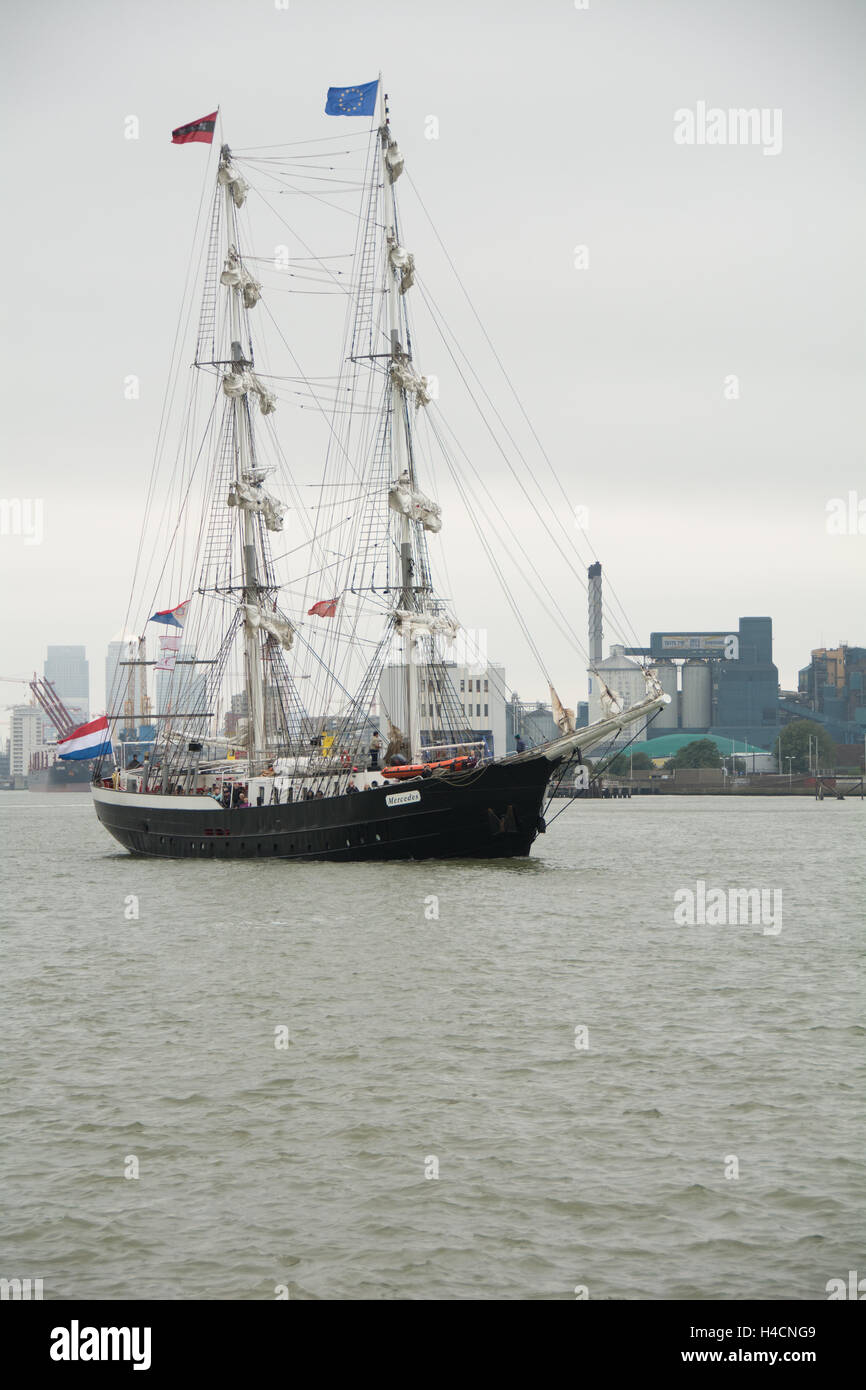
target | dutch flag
[{"x": 87, "y": 741}]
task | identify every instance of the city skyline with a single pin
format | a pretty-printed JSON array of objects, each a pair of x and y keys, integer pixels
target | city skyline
[
  {"x": 114, "y": 648},
  {"x": 679, "y": 317}
]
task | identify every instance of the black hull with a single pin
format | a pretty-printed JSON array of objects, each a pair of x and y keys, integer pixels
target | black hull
[{"x": 491, "y": 814}]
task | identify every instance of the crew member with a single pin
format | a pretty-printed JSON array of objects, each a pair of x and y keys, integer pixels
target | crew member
[{"x": 375, "y": 750}]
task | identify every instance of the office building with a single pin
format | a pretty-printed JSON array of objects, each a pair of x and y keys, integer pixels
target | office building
[
  {"x": 69, "y": 672},
  {"x": 26, "y": 735}
]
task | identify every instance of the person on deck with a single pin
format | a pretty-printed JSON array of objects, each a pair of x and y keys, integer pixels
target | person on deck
[
  {"x": 350, "y": 787},
  {"x": 519, "y": 744},
  {"x": 375, "y": 750}
]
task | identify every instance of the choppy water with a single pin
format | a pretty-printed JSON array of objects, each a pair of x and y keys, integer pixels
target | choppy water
[{"x": 411, "y": 1039}]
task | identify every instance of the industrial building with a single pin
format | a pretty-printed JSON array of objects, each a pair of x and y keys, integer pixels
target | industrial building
[
  {"x": 832, "y": 691},
  {"x": 720, "y": 681}
]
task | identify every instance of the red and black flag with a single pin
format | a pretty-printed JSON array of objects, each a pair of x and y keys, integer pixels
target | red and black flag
[{"x": 197, "y": 132}]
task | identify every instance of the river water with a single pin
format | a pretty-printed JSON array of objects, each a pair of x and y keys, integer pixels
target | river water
[{"x": 617, "y": 1105}]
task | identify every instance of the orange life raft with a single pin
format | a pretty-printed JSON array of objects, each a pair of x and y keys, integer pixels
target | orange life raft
[{"x": 417, "y": 769}]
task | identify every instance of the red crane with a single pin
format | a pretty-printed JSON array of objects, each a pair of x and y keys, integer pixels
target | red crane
[{"x": 49, "y": 702}]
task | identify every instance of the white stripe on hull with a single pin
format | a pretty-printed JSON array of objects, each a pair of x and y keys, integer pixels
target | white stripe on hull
[{"x": 146, "y": 801}]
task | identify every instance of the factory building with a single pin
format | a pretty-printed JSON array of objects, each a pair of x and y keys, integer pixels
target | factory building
[
  {"x": 719, "y": 681},
  {"x": 833, "y": 686},
  {"x": 724, "y": 682}
]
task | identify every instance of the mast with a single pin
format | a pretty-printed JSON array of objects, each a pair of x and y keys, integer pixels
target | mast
[
  {"x": 253, "y": 675},
  {"x": 401, "y": 453}
]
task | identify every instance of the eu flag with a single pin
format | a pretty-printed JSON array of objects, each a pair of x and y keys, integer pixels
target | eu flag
[{"x": 352, "y": 101}]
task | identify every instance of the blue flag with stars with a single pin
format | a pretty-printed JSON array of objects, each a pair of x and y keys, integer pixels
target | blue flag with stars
[{"x": 352, "y": 101}]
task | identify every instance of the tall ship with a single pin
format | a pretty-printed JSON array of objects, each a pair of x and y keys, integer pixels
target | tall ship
[{"x": 308, "y": 702}]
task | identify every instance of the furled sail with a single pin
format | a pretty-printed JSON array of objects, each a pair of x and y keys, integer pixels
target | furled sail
[
  {"x": 252, "y": 499},
  {"x": 256, "y": 618},
  {"x": 654, "y": 687},
  {"x": 231, "y": 179},
  {"x": 404, "y": 498},
  {"x": 236, "y": 276},
  {"x": 394, "y": 160},
  {"x": 404, "y": 261},
  {"x": 397, "y": 743},
  {"x": 405, "y": 376},
  {"x": 564, "y": 717},
  {"x": 611, "y": 701},
  {"x": 239, "y": 383},
  {"x": 415, "y": 625}
]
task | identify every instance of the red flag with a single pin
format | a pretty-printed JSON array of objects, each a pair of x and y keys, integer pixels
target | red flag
[
  {"x": 325, "y": 608},
  {"x": 197, "y": 132}
]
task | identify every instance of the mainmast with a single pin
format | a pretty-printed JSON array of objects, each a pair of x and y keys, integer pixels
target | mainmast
[
  {"x": 245, "y": 475},
  {"x": 401, "y": 453}
]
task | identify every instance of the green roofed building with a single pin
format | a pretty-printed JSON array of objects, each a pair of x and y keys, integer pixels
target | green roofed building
[{"x": 667, "y": 745}]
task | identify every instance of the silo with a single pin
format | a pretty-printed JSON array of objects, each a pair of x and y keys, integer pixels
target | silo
[
  {"x": 697, "y": 695},
  {"x": 667, "y": 679}
]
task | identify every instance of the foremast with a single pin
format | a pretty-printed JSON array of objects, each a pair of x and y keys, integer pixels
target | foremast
[{"x": 244, "y": 474}]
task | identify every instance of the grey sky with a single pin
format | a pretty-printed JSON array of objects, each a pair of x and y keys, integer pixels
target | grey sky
[{"x": 556, "y": 130}]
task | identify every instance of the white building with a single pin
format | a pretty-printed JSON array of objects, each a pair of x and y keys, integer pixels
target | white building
[
  {"x": 26, "y": 732},
  {"x": 481, "y": 702}
]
